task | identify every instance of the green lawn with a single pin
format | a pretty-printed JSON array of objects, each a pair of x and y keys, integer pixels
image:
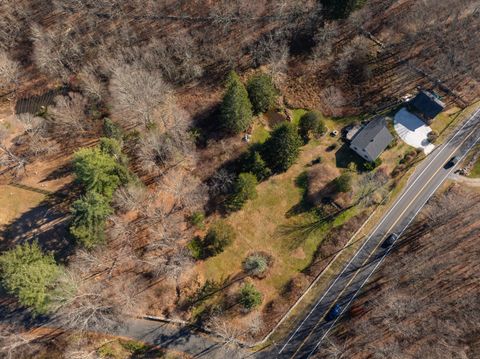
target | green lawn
[
  {"x": 475, "y": 172},
  {"x": 260, "y": 134},
  {"x": 443, "y": 120},
  {"x": 297, "y": 114}
]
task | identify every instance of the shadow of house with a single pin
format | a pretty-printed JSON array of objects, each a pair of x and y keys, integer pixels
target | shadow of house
[
  {"x": 344, "y": 156},
  {"x": 46, "y": 223}
]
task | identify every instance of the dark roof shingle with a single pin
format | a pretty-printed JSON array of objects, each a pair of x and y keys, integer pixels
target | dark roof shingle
[
  {"x": 427, "y": 104},
  {"x": 373, "y": 138}
]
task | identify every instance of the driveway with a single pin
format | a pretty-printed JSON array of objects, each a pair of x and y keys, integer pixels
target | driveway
[{"x": 412, "y": 130}]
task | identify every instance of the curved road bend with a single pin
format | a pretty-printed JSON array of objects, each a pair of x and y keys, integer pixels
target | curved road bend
[{"x": 310, "y": 330}]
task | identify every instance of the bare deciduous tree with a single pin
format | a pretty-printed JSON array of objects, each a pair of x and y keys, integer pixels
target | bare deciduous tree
[
  {"x": 8, "y": 159},
  {"x": 15, "y": 342},
  {"x": 86, "y": 305},
  {"x": 9, "y": 72},
  {"x": 69, "y": 112},
  {"x": 158, "y": 151},
  {"x": 137, "y": 94},
  {"x": 130, "y": 198},
  {"x": 91, "y": 84},
  {"x": 54, "y": 50}
]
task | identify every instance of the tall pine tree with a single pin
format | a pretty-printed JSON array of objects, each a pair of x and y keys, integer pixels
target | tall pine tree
[
  {"x": 281, "y": 150},
  {"x": 89, "y": 214},
  {"x": 236, "y": 109},
  {"x": 29, "y": 274}
]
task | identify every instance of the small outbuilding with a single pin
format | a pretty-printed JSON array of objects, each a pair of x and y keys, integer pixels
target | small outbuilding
[
  {"x": 372, "y": 139},
  {"x": 426, "y": 105}
]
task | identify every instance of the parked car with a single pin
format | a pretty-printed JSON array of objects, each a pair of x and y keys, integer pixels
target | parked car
[
  {"x": 452, "y": 162},
  {"x": 390, "y": 240},
  {"x": 334, "y": 313}
]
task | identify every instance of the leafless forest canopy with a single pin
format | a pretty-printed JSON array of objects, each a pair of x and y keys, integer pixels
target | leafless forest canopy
[
  {"x": 424, "y": 302},
  {"x": 157, "y": 70}
]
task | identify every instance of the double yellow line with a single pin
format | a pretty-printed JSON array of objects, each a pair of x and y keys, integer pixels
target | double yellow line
[{"x": 379, "y": 243}]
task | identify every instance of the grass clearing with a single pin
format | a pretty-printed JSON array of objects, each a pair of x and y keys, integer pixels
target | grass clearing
[
  {"x": 444, "y": 120},
  {"x": 475, "y": 172},
  {"x": 260, "y": 134},
  {"x": 15, "y": 201},
  {"x": 264, "y": 225}
]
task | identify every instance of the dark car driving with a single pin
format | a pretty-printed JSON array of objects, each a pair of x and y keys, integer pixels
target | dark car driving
[
  {"x": 334, "y": 313},
  {"x": 390, "y": 240},
  {"x": 452, "y": 162}
]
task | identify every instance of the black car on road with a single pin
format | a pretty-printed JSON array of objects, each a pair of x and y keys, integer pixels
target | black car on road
[
  {"x": 452, "y": 162},
  {"x": 390, "y": 240},
  {"x": 334, "y": 313}
]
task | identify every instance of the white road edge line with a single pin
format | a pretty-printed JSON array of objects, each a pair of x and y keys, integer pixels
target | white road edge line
[
  {"x": 388, "y": 251},
  {"x": 376, "y": 228}
]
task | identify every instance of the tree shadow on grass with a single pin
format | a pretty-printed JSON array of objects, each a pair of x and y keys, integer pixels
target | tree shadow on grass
[
  {"x": 304, "y": 205},
  {"x": 46, "y": 223}
]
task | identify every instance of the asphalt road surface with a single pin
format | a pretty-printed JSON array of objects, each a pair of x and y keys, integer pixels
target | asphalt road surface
[{"x": 310, "y": 331}]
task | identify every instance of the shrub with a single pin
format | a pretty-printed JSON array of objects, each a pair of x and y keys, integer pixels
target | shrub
[
  {"x": 236, "y": 109},
  {"x": 219, "y": 236},
  {"x": 262, "y": 93},
  {"x": 253, "y": 162},
  {"x": 432, "y": 136},
  {"x": 343, "y": 183},
  {"x": 311, "y": 124},
  {"x": 196, "y": 247},
  {"x": 96, "y": 171},
  {"x": 28, "y": 274},
  {"x": 89, "y": 214},
  {"x": 281, "y": 150},
  {"x": 112, "y": 130},
  {"x": 370, "y": 166},
  {"x": 250, "y": 297},
  {"x": 197, "y": 219},
  {"x": 244, "y": 189},
  {"x": 256, "y": 264},
  {"x": 134, "y": 346}
]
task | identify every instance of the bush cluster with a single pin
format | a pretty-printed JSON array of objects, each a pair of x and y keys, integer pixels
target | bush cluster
[
  {"x": 249, "y": 297},
  {"x": 219, "y": 236},
  {"x": 311, "y": 125}
]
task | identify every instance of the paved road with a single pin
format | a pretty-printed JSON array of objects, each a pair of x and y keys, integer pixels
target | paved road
[
  {"x": 171, "y": 336},
  {"x": 311, "y": 330}
]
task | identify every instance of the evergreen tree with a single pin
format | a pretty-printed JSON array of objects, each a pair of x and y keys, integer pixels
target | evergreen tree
[
  {"x": 236, "y": 109},
  {"x": 253, "y": 162},
  {"x": 244, "y": 189},
  {"x": 250, "y": 297},
  {"x": 89, "y": 214},
  {"x": 112, "y": 130},
  {"x": 219, "y": 236},
  {"x": 97, "y": 171},
  {"x": 262, "y": 93},
  {"x": 311, "y": 124},
  {"x": 281, "y": 150},
  {"x": 29, "y": 274}
]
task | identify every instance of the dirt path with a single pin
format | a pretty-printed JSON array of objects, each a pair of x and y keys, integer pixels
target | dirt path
[{"x": 472, "y": 182}]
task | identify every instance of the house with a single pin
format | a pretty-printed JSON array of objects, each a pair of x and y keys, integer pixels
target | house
[
  {"x": 372, "y": 139},
  {"x": 426, "y": 106}
]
